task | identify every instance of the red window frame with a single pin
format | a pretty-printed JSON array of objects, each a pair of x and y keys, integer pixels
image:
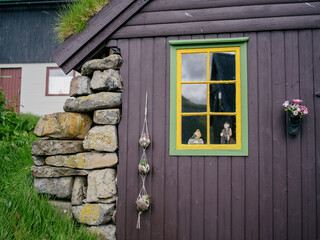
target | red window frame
[{"x": 47, "y": 82}]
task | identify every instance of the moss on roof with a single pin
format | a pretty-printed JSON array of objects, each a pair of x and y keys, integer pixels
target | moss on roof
[{"x": 73, "y": 18}]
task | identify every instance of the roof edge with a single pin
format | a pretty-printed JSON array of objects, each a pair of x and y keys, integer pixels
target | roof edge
[{"x": 76, "y": 48}]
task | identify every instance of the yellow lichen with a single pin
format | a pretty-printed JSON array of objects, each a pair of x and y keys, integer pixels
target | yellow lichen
[
  {"x": 77, "y": 161},
  {"x": 90, "y": 213}
]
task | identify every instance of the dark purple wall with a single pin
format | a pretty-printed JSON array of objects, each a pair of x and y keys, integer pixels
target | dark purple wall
[{"x": 271, "y": 194}]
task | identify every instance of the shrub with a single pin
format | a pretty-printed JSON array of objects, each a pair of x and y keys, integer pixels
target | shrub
[{"x": 13, "y": 127}]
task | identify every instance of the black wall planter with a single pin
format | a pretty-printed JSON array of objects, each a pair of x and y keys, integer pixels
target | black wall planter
[{"x": 293, "y": 125}]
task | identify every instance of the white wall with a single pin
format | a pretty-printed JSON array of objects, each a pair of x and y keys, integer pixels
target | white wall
[{"x": 33, "y": 89}]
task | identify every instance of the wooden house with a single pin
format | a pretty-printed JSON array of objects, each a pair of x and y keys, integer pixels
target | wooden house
[
  {"x": 262, "y": 184},
  {"x": 27, "y": 70}
]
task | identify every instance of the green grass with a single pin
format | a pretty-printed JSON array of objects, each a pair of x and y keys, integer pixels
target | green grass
[
  {"x": 23, "y": 213},
  {"x": 30, "y": 118},
  {"x": 73, "y": 18}
]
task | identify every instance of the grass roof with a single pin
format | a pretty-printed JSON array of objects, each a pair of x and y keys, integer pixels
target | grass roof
[{"x": 73, "y": 18}]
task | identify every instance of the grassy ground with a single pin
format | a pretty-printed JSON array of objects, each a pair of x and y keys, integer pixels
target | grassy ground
[
  {"x": 23, "y": 213},
  {"x": 73, "y": 18}
]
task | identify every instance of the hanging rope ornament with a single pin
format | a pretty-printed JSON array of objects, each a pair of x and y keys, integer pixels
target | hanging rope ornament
[{"x": 143, "y": 200}]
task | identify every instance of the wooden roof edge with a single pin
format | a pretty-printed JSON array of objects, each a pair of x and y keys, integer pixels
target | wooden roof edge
[{"x": 76, "y": 48}]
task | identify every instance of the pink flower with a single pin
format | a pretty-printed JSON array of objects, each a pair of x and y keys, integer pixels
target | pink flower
[
  {"x": 298, "y": 101},
  {"x": 304, "y": 109},
  {"x": 295, "y": 113},
  {"x": 285, "y": 104}
]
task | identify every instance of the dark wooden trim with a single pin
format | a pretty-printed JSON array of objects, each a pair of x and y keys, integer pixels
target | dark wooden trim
[
  {"x": 100, "y": 27},
  {"x": 224, "y": 13},
  {"x": 178, "y": 5},
  {"x": 279, "y": 152},
  {"x": 252, "y": 162},
  {"x": 294, "y": 152},
  {"x": 47, "y": 82},
  {"x": 208, "y": 27},
  {"x": 308, "y": 143},
  {"x": 316, "y": 82}
]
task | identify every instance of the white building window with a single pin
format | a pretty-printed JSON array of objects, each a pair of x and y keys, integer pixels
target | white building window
[{"x": 58, "y": 83}]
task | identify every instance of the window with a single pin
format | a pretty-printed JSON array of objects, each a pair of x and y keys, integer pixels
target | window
[
  {"x": 208, "y": 97},
  {"x": 58, "y": 83}
]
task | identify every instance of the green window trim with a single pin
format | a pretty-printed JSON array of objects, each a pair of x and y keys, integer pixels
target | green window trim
[{"x": 201, "y": 44}]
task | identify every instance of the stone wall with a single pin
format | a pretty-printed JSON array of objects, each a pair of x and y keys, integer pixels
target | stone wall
[{"x": 76, "y": 159}]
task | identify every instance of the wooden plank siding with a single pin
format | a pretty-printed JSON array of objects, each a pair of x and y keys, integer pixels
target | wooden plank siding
[
  {"x": 271, "y": 194},
  {"x": 224, "y": 13},
  {"x": 166, "y": 18},
  {"x": 162, "y": 18},
  {"x": 27, "y": 33},
  {"x": 316, "y": 81},
  {"x": 207, "y": 27},
  {"x": 163, "y": 5}
]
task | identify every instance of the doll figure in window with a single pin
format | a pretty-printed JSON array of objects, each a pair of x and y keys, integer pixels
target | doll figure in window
[
  {"x": 196, "y": 138},
  {"x": 226, "y": 133}
]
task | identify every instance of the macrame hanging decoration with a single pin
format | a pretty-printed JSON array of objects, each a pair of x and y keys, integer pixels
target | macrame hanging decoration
[{"x": 143, "y": 200}]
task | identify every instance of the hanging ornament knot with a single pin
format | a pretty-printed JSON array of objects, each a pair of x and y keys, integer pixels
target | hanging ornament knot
[{"x": 138, "y": 220}]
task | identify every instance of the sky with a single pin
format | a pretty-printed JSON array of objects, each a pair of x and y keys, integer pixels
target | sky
[{"x": 194, "y": 68}]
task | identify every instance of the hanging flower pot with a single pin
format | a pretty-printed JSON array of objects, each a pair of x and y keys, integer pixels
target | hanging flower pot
[
  {"x": 143, "y": 166},
  {"x": 295, "y": 113},
  {"x": 144, "y": 139},
  {"x": 143, "y": 203},
  {"x": 293, "y": 125}
]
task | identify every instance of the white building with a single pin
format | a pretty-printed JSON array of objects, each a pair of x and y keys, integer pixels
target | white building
[{"x": 27, "y": 71}]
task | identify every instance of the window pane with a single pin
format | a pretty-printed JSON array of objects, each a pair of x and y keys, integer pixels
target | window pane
[
  {"x": 223, "y": 130},
  {"x": 222, "y": 66},
  {"x": 59, "y": 82},
  {"x": 222, "y": 98},
  {"x": 194, "y": 130},
  {"x": 194, "y": 97},
  {"x": 194, "y": 67}
]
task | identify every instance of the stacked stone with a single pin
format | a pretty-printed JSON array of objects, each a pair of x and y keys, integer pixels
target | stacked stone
[{"x": 76, "y": 159}]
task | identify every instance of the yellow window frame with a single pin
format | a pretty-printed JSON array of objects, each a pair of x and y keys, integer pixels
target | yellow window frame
[{"x": 237, "y": 113}]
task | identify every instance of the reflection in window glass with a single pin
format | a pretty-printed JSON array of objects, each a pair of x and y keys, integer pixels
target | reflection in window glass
[
  {"x": 223, "y": 129},
  {"x": 194, "y": 67},
  {"x": 194, "y": 130},
  {"x": 58, "y": 81},
  {"x": 222, "y": 98},
  {"x": 194, "y": 97},
  {"x": 222, "y": 66}
]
